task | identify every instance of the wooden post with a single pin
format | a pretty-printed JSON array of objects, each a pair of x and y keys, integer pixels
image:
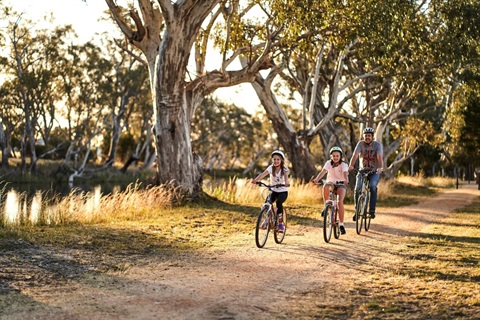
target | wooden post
[{"x": 456, "y": 174}]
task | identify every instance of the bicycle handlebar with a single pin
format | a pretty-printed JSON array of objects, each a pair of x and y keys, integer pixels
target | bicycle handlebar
[
  {"x": 365, "y": 171},
  {"x": 270, "y": 186},
  {"x": 337, "y": 183}
]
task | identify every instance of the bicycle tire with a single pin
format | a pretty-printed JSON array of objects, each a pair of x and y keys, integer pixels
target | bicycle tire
[
  {"x": 279, "y": 236},
  {"x": 359, "y": 214},
  {"x": 261, "y": 235},
  {"x": 368, "y": 219},
  {"x": 336, "y": 225},
  {"x": 328, "y": 224}
]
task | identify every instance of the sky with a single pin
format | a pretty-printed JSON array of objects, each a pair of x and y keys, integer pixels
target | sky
[{"x": 84, "y": 17}]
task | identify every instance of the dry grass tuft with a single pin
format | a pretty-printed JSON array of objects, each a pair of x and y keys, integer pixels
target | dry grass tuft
[
  {"x": 93, "y": 207},
  {"x": 436, "y": 182},
  {"x": 242, "y": 191}
]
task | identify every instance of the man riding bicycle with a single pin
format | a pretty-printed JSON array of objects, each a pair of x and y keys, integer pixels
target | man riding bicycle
[{"x": 371, "y": 157}]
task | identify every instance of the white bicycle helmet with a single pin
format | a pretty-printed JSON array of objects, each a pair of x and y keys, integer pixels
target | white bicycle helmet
[
  {"x": 280, "y": 153},
  {"x": 336, "y": 149}
]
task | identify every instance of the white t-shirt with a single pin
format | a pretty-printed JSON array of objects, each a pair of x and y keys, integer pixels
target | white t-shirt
[
  {"x": 278, "y": 178},
  {"x": 335, "y": 173}
]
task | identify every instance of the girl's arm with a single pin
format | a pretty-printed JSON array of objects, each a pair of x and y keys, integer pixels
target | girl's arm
[
  {"x": 287, "y": 184},
  {"x": 345, "y": 175},
  {"x": 260, "y": 176},
  {"x": 320, "y": 175}
]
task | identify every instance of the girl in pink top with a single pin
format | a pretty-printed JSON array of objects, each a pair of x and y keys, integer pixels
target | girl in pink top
[{"x": 337, "y": 170}]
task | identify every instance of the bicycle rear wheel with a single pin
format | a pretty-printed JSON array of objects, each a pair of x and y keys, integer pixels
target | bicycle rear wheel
[
  {"x": 262, "y": 228},
  {"x": 359, "y": 212},
  {"x": 328, "y": 223},
  {"x": 368, "y": 219},
  {"x": 279, "y": 236}
]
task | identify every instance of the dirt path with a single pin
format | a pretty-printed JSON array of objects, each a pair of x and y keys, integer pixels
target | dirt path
[{"x": 241, "y": 282}]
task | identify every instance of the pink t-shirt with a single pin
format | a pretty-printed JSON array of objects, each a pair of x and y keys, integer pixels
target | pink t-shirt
[{"x": 335, "y": 173}]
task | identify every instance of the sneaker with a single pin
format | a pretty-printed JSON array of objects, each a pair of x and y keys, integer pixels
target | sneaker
[
  {"x": 354, "y": 218},
  {"x": 264, "y": 224},
  {"x": 342, "y": 229},
  {"x": 281, "y": 227},
  {"x": 372, "y": 215}
]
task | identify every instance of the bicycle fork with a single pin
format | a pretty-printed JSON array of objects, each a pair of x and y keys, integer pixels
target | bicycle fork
[{"x": 271, "y": 214}]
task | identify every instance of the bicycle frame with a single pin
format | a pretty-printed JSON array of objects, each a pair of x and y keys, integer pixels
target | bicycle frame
[
  {"x": 267, "y": 219},
  {"x": 362, "y": 218},
  {"x": 331, "y": 221}
]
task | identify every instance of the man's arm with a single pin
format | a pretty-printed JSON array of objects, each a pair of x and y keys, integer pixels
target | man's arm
[{"x": 379, "y": 163}]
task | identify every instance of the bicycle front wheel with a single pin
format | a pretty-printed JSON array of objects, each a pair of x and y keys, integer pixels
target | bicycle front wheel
[
  {"x": 336, "y": 225},
  {"x": 262, "y": 228},
  {"x": 368, "y": 219},
  {"x": 328, "y": 223},
  {"x": 359, "y": 212},
  {"x": 277, "y": 235}
]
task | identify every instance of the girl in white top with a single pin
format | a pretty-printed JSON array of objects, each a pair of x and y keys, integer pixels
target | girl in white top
[
  {"x": 278, "y": 175},
  {"x": 337, "y": 170}
]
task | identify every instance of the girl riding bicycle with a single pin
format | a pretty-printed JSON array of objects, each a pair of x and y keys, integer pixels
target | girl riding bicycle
[
  {"x": 337, "y": 170},
  {"x": 278, "y": 175}
]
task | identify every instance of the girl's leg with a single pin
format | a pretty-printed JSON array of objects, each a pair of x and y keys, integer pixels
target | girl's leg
[
  {"x": 326, "y": 192},
  {"x": 273, "y": 197},
  {"x": 282, "y": 196}
]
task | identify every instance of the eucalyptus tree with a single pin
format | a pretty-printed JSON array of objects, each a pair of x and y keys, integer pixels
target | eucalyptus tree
[
  {"x": 353, "y": 64},
  {"x": 166, "y": 32},
  {"x": 32, "y": 75},
  {"x": 463, "y": 144},
  {"x": 456, "y": 25},
  {"x": 11, "y": 120},
  {"x": 127, "y": 88},
  {"x": 86, "y": 72},
  {"x": 225, "y": 136}
]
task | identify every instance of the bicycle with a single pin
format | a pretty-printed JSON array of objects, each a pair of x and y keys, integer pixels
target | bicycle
[
  {"x": 331, "y": 222},
  {"x": 362, "y": 216},
  {"x": 267, "y": 219}
]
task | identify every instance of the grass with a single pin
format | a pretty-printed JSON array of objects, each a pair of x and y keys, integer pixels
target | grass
[
  {"x": 137, "y": 206},
  {"x": 437, "y": 271},
  {"x": 434, "y": 275}
]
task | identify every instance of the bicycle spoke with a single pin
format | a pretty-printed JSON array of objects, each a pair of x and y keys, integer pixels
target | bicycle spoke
[
  {"x": 279, "y": 236},
  {"x": 262, "y": 228},
  {"x": 328, "y": 224},
  {"x": 359, "y": 214}
]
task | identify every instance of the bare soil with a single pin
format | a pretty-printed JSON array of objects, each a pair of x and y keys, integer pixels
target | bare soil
[{"x": 301, "y": 277}]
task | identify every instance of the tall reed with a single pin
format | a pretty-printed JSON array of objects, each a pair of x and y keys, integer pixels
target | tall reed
[{"x": 85, "y": 207}]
